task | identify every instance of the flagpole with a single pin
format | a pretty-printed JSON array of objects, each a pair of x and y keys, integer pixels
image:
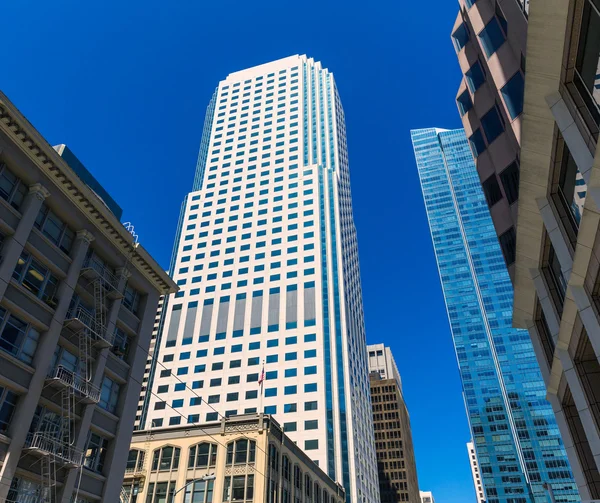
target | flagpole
[{"x": 261, "y": 382}]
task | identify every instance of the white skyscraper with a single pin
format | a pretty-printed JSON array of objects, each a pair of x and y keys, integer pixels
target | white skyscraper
[
  {"x": 266, "y": 259},
  {"x": 381, "y": 360}
]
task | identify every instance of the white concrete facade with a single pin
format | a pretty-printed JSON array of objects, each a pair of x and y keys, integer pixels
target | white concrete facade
[
  {"x": 479, "y": 492},
  {"x": 268, "y": 269},
  {"x": 381, "y": 360}
]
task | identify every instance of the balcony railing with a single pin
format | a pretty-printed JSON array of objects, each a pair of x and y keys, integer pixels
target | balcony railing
[
  {"x": 81, "y": 318},
  {"x": 65, "y": 377},
  {"x": 94, "y": 269},
  {"x": 124, "y": 496},
  {"x": 49, "y": 445},
  {"x": 25, "y": 498},
  {"x": 135, "y": 471}
]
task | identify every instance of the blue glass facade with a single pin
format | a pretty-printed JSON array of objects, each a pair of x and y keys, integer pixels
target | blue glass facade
[{"x": 513, "y": 427}]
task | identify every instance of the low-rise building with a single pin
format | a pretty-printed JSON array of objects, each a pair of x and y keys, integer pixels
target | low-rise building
[
  {"x": 78, "y": 298},
  {"x": 240, "y": 458}
]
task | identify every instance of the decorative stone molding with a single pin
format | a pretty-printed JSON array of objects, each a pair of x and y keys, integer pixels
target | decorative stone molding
[
  {"x": 39, "y": 191},
  {"x": 85, "y": 235}
]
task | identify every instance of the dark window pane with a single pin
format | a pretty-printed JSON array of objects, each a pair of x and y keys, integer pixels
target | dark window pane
[
  {"x": 477, "y": 143},
  {"x": 512, "y": 92},
  {"x": 464, "y": 103},
  {"x": 492, "y": 191},
  {"x": 587, "y": 63},
  {"x": 460, "y": 37},
  {"x": 510, "y": 182},
  {"x": 492, "y": 37},
  {"x": 492, "y": 124},
  {"x": 508, "y": 243},
  {"x": 475, "y": 76}
]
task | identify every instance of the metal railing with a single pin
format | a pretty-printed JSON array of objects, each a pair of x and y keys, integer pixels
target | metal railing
[
  {"x": 27, "y": 498},
  {"x": 136, "y": 470},
  {"x": 77, "y": 382},
  {"x": 47, "y": 444},
  {"x": 124, "y": 496},
  {"x": 89, "y": 321},
  {"x": 108, "y": 277}
]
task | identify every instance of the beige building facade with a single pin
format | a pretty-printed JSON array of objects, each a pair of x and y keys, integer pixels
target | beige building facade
[
  {"x": 489, "y": 37},
  {"x": 558, "y": 240},
  {"x": 244, "y": 458},
  {"x": 78, "y": 298}
]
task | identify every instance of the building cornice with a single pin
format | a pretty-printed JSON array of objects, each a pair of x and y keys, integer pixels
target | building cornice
[{"x": 24, "y": 135}]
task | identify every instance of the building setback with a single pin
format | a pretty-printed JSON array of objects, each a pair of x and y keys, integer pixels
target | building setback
[
  {"x": 393, "y": 436},
  {"x": 489, "y": 37},
  {"x": 241, "y": 458},
  {"x": 266, "y": 259},
  {"x": 514, "y": 430},
  {"x": 557, "y": 279},
  {"x": 77, "y": 301}
]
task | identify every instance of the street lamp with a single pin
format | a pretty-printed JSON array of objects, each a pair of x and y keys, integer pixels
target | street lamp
[{"x": 206, "y": 478}]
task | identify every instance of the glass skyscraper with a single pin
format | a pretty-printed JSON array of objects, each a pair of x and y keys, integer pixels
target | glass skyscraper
[
  {"x": 267, "y": 262},
  {"x": 514, "y": 430}
]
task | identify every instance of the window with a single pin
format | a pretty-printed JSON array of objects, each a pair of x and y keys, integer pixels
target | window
[
  {"x": 510, "y": 181},
  {"x": 203, "y": 455},
  {"x": 476, "y": 142},
  {"x": 464, "y": 103},
  {"x": 120, "y": 346},
  {"x": 492, "y": 37},
  {"x": 12, "y": 189},
  {"x": 492, "y": 124},
  {"x": 135, "y": 461},
  {"x": 475, "y": 77},
  {"x": 310, "y": 405},
  {"x": 165, "y": 459},
  {"x": 239, "y": 488},
  {"x": 290, "y": 426},
  {"x": 492, "y": 191},
  {"x": 109, "y": 395},
  {"x": 569, "y": 193},
  {"x": 54, "y": 229},
  {"x": 311, "y": 445},
  {"x": 508, "y": 243},
  {"x": 199, "y": 491},
  {"x": 160, "y": 492},
  {"x": 17, "y": 337},
  {"x": 95, "y": 452},
  {"x": 512, "y": 92},
  {"x": 131, "y": 299},
  {"x": 241, "y": 451},
  {"x": 586, "y": 64},
  {"x": 311, "y": 425},
  {"x": 36, "y": 278},
  {"x": 460, "y": 37},
  {"x": 8, "y": 402}
]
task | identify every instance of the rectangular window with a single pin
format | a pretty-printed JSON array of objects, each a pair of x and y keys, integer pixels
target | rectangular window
[
  {"x": 17, "y": 337},
  {"x": 477, "y": 143},
  {"x": 475, "y": 77},
  {"x": 464, "y": 103},
  {"x": 54, "y": 229},
  {"x": 492, "y": 124},
  {"x": 109, "y": 395},
  {"x": 508, "y": 243},
  {"x": 460, "y": 37},
  {"x": 492, "y": 191},
  {"x": 512, "y": 92},
  {"x": 492, "y": 37},
  {"x": 510, "y": 182},
  {"x": 8, "y": 403}
]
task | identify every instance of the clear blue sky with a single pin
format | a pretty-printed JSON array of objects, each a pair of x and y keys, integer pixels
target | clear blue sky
[{"x": 126, "y": 83}]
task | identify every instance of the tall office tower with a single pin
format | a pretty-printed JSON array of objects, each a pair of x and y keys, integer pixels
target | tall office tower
[
  {"x": 490, "y": 38},
  {"x": 77, "y": 300},
  {"x": 476, "y": 473},
  {"x": 268, "y": 269},
  {"x": 393, "y": 436},
  {"x": 512, "y": 425}
]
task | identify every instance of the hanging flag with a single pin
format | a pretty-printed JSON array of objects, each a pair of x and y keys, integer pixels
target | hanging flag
[{"x": 262, "y": 376}]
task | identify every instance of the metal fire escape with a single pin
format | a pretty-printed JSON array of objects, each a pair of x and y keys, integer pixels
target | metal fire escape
[{"x": 55, "y": 443}]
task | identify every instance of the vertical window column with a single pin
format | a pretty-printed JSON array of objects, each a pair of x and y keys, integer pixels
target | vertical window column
[
  {"x": 274, "y": 305},
  {"x": 291, "y": 307},
  {"x": 256, "y": 312},
  {"x": 239, "y": 315},
  {"x": 13, "y": 245}
]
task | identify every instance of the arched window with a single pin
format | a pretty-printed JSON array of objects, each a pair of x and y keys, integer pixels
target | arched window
[
  {"x": 273, "y": 458},
  {"x": 308, "y": 488},
  {"x": 203, "y": 455},
  {"x": 285, "y": 468},
  {"x": 317, "y": 493},
  {"x": 325, "y": 496},
  {"x": 165, "y": 458},
  {"x": 241, "y": 451},
  {"x": 135, "y": 461}
]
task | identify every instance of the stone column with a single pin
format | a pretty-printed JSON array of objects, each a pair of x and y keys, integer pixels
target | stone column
[
  {"x": 118, "y": 449},
  {"x": 27, "y": 403},
  {"x": 13, "y": 245},
  {"x": 83, "y": 428}
]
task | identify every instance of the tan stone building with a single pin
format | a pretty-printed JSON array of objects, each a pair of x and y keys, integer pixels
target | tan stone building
[
  {"x": 396, "y": 465},
  {"x": 244, "y": 458},
  {"x": 557, "y": 280},
  {"x": 78, "y": 298}
]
